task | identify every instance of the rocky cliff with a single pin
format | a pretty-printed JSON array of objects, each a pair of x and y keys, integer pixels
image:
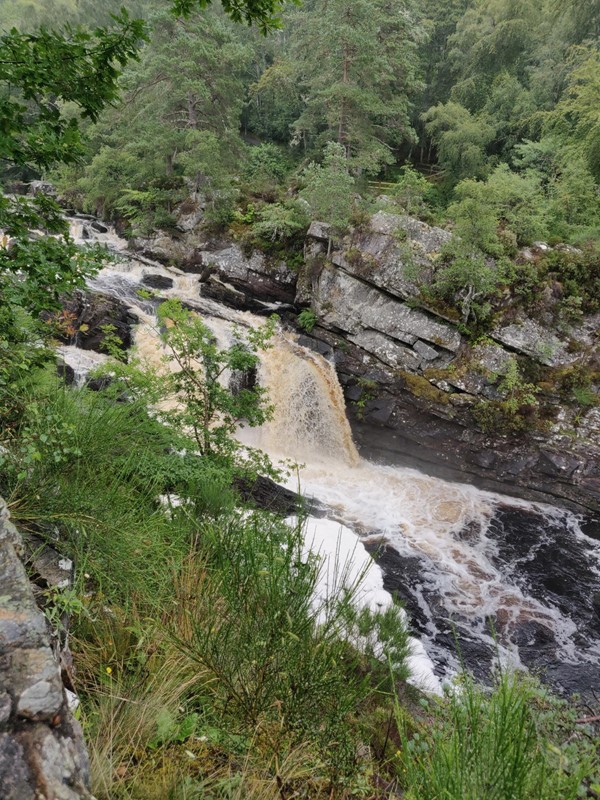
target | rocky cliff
[
  {"x": 42, "y": 754},
  {"x": 419, "y": 391}
]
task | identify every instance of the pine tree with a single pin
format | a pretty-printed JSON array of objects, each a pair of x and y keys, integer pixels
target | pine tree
[{"x": 357, "y": 67}]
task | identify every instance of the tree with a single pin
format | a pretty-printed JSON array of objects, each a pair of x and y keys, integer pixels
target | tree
[
  {"x": 328, "y": 188},
  {"x": 461, "y": 139},
  {"x": 357, "y": 68},
  {"x": 516, "y": 202},
  {"x": 260, "y": 12},
  {"x": 176, "y": 130},
  {"x": 576, "y": 118},
  {"x": 38, "y": 72},
  {"x": 410, "y": 192},
  {"x": 208, "y": 406},
  {"x": 49, "y": 82}
]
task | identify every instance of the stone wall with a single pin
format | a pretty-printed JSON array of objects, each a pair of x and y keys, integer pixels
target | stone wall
[{"x": 42, "y": 753}]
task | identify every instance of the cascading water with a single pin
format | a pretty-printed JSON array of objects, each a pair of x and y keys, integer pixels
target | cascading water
[{"x": 500, "y": 576}]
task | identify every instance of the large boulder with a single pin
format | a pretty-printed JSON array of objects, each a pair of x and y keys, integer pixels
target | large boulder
[{"x": 94, "y": 316}]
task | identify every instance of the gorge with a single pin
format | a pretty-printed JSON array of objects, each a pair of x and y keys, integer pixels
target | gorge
[{"x": 479, "y": 572}]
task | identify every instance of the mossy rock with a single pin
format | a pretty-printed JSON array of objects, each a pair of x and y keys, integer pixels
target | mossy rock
[{"x": 421, "y": 388}]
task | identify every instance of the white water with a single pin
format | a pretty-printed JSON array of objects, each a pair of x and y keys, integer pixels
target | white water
[{"x": 446, "y": 526}]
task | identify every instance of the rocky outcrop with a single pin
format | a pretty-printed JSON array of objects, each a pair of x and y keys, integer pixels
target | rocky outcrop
[
  {"x": 413, "y": 382},
  {"x": 268, "y": 495},
  {"x": 42, "y": 754},
  {"x": 94, "y": 316},
  {"x": 226, "y": 272}
]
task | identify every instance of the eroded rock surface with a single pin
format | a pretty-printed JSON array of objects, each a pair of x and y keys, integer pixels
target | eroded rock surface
[
  {"x": 42, "y": 754},
  {"x": 413, "y": 383}
]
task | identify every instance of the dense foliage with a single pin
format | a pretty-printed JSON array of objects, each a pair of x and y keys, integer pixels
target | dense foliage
[{"x": 204, "y": 667}]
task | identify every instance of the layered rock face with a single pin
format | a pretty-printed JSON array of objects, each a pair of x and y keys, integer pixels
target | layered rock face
[
  {"x": 413, "y": 382},
  {"x": 249, "y": 282},
  {"x": 42, "y": 754}
]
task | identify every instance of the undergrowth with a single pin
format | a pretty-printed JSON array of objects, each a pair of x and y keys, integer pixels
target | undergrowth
[{"x": 205, "y": 666}]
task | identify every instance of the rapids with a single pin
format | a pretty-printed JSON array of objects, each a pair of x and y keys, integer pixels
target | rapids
[{"x": 484, "y": 577}]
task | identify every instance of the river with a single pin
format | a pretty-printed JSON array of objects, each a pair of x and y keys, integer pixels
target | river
[{"x": 485, "y": 578}]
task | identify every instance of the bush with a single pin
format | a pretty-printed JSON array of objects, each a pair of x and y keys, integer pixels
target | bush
[
  {"x": 479, "y": 744},
  {"x": 281, "y": 222},
  {"x": 307, "y": 319}
]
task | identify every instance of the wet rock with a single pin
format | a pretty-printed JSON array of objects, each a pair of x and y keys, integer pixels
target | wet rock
[
  {"x": 226, "y": 293},
  {"x": 95, "y": 312},
  {"x": 532, "y": 634},
  {"x": 75, "y": 364},
  {"x": 99, "y": 227},
  {"x": 254, "y": 276},
  {"x": 270, "y": 496},
  {"x": 100, "y": 384},
  {"x": 157, "y": 281},
  {"x": 557, "y": 464},
  {"x": 65, "y": 371},
  {"x": 319, "y": 346},
  {"x": 42, "y": 187},
  {"x": 379, "y": 412}
]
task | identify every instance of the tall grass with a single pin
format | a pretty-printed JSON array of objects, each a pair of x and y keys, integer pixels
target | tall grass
[
  {"x": 491, "y": 744},
  {"x": 204, "y": 666}
]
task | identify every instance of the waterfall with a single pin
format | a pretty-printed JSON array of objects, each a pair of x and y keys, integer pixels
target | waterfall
[{"x": 503, "y": 576}]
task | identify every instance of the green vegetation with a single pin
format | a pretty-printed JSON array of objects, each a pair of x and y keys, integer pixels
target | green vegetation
[
  {"x": 204, "y": 667},
  {"x": 206, "y": 407},
  {"x": 489, "y": 744},
  {"x": 307, "y": 319}
]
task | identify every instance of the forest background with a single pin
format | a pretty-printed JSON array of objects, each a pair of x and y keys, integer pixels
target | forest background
[{"x": 479, "y": 114}]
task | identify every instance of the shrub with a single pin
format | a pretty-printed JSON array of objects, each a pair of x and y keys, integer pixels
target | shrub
[
  {"x": 307, "y": 319},
  {"x": 480, "y": 744},
  {"x": 279, "y": 222}
]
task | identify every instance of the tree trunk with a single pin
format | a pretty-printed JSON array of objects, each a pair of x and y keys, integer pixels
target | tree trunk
[
  {"x": 191, "y": 107},
  {"x": 342, "y": 133}
]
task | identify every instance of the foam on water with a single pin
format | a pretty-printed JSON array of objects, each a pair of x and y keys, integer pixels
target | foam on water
[
  {"x": 345, "y": 563},
  {"x": 448, "y": 528}
]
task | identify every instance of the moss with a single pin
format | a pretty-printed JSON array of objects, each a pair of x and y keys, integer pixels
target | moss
[
  {"x": 573, "y": 383},
  {"x": 364, "y": 263},
  {"x": 435, "y": 305},
  {"x": 441, "y": 373},
  {"x": 353, "y": 256},
  {"x": 421, "y": 388}
]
